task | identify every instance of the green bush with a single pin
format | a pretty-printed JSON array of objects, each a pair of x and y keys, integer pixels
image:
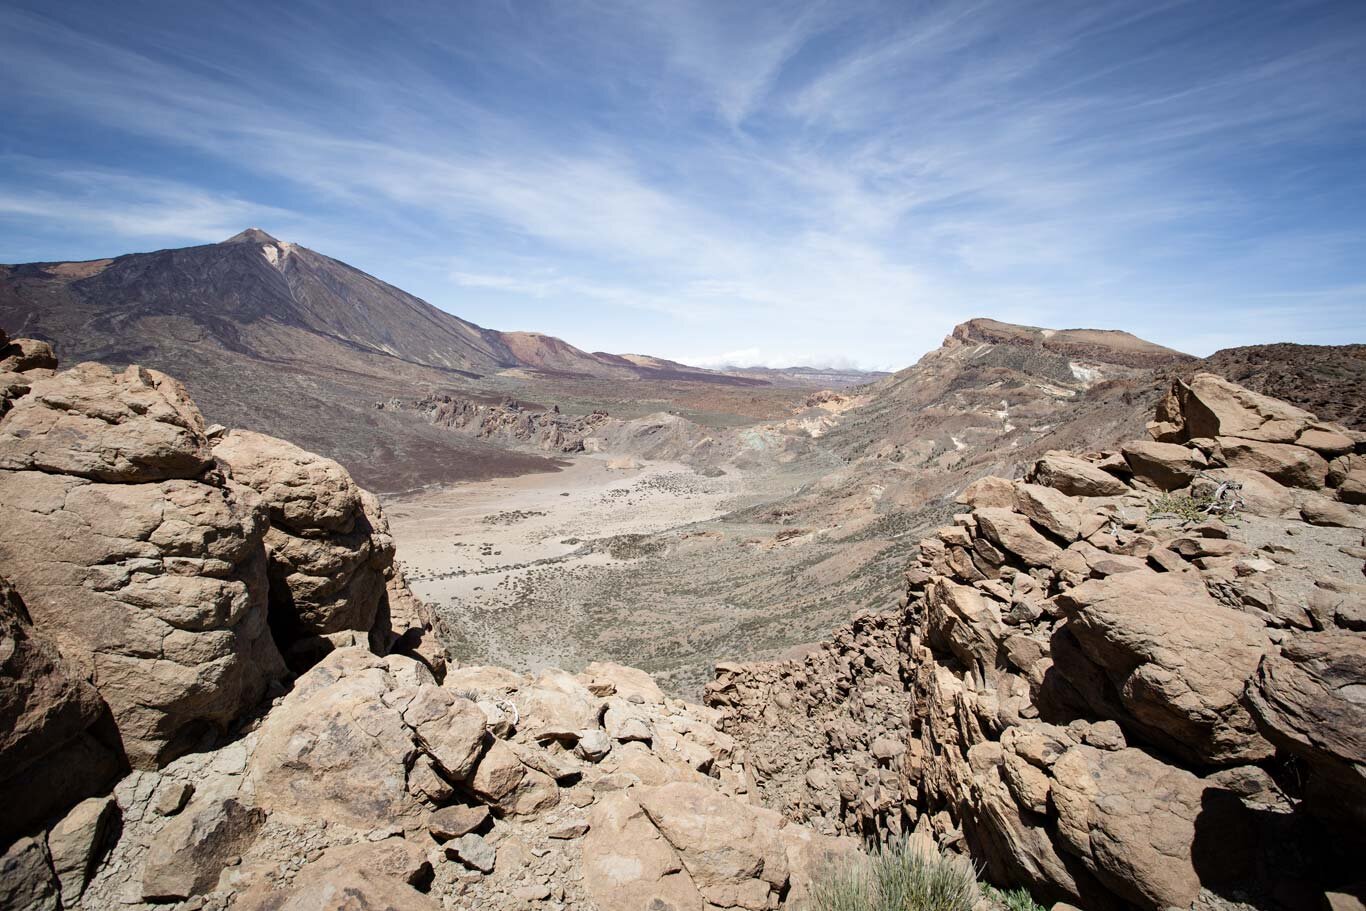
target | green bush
[
  {"x": 906, "y": 875},
  {"x": 1013, "y": 899}
]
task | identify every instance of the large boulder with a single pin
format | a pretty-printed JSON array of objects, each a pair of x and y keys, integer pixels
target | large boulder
[
  {"x": 22, "y": 355},
  {"x": 1075, "y": 477},
  {"x": 337, "y": 747},
  {"x": 1307, "y": 698},
  {"x": 1016, "y": 535},
  {"x": 1131, "y": 820},
  {"x": 1167, "y": 466},
  {"x": 1175, "y": 660},
  {"x": 628, "y": 865},
  {"x": 1210, "y": 406},
  {"x": 354, "y": 877},
  {"x": 57, "y": 741},
  {"x": 1288, "y": 464},
  {"x": 156, "y": 591},
  {"x": 130, "y": 427},
  {"x": 330, "y": 552}
]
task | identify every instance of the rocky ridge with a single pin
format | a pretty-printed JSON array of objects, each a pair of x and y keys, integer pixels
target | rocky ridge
[
  {"x": 219, "y": 693},
  {"x": 1127, "y": 679}
]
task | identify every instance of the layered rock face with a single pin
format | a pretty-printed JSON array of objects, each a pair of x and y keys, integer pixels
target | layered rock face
[{"x": 1128, "y": 679}]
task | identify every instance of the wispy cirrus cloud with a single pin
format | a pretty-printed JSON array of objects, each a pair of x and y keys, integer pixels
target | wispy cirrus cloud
[{"x": 833, "y": 180}]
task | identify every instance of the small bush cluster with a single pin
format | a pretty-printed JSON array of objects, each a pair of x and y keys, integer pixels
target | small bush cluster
[
  {"x": 906, "y": 875},
  {"x": 912, "y": 875}
]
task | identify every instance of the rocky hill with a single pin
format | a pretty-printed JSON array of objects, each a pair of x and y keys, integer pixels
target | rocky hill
[
  {"x": 271, "y": 336},
  {"x": 1325, "y": 379},
  {"x": 217, "y": 692},
  {"x": 1127, "y": 679}
]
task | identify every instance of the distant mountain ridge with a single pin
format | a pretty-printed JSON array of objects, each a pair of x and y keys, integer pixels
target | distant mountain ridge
[{"x": 238, "y": 291}]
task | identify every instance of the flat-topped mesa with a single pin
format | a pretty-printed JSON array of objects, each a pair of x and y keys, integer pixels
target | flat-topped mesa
[
  {"x": 1110, "y": 346},
  {"x": 1120, "y": 681}
]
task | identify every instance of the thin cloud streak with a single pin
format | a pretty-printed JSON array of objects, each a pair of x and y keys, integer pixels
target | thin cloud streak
[{"x": 854, "y": 179}]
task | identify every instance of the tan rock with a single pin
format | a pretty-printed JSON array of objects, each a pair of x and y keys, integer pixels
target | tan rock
[
  {"x": 1327, "y": 443},
  {"x": 90, "y": 422},
  {"x": 75, "y": 842},
  {"x": 24, "y": 354},
  {"x": 1305, "y": 700},
  {"x": 1291, "y": 465},
  {"x": 1167, "y": 466},
  {"x": 1211, "y": 406},
  {"x": 1013, "y": 532},
  {"x": 1131, "y": 820},
  {"x": 730, "y": 848},
  {"x": 1318, "y": 510},
  {"x": 1176, "y": 659},
  {"x": 502, "y": 779},
  {"x": 627, "y": 682},
  {"x": 1075, "y": 477},
  {"x": 988, "y": 492},
  {"x": 57, "y": 742},
  {"x": 450, "y": 728},
  {"x": 628, "y": 865},
  {"x": 154, "y": 590},
  {"x": 1050, "y": 509},
  {"x": 330, "y": 552},
  {"x": 1260, "y": 495}
]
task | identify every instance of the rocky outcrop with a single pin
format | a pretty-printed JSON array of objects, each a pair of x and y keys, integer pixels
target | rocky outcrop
[
  {"x": 57, "y": 742},
  {"x": 330, "y": 555},
  {"x": 142, "y": 565},
  {"x": 1128, "y": 681},
  {"x": 509, "y": 421}
]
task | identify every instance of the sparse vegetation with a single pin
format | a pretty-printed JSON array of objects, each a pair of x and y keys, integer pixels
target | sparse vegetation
[
  {"x": 906, "y": 875},
  {"x": 1011, "y": 899},
  {"x": 1180, "y": 506}
]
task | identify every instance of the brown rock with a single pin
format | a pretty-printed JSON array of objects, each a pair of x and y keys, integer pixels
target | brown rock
[
  {"x": 454, "y": 821},
  {"x": 1176, "y": 660},
  {"x": 26, "y": 879},
  {"x": 57, "y": 742},
  {"x": 23, "y": 354},
  {"x": 1014, "y": 533},
  {"x": 505, "y": 781},
  {"x": 352, "y": 878},
  {"x": 1050, "y": 509},
  {"x": 134, "y": 426},
  {"x": 333, "y": 730},
  {"x": 190, "y": 854},
  {"x": 1167, "y": 466},
  {"x": 1075, "y": 477},
  {"x": 1291, "y": 465},
  {"x": 1305, "y": 700},
  {"x": 1131, "y": 820},
  {"x": 1318, "y": 510}
]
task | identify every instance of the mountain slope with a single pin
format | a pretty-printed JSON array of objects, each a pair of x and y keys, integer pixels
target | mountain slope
[{"x": 271, "y": 336}]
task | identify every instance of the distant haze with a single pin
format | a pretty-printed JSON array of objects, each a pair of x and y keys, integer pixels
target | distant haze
[{"x": 825, "y": 184}]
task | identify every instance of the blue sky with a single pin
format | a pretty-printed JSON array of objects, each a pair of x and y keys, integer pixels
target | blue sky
[{"x": 830, "y": 183}]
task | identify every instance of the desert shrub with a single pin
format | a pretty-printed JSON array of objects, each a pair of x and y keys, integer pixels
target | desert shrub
[
  {"x": 1180, "y": 506},
  {"x": 1011, "y": 899},
  {"x": 906, "y": 875}
]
